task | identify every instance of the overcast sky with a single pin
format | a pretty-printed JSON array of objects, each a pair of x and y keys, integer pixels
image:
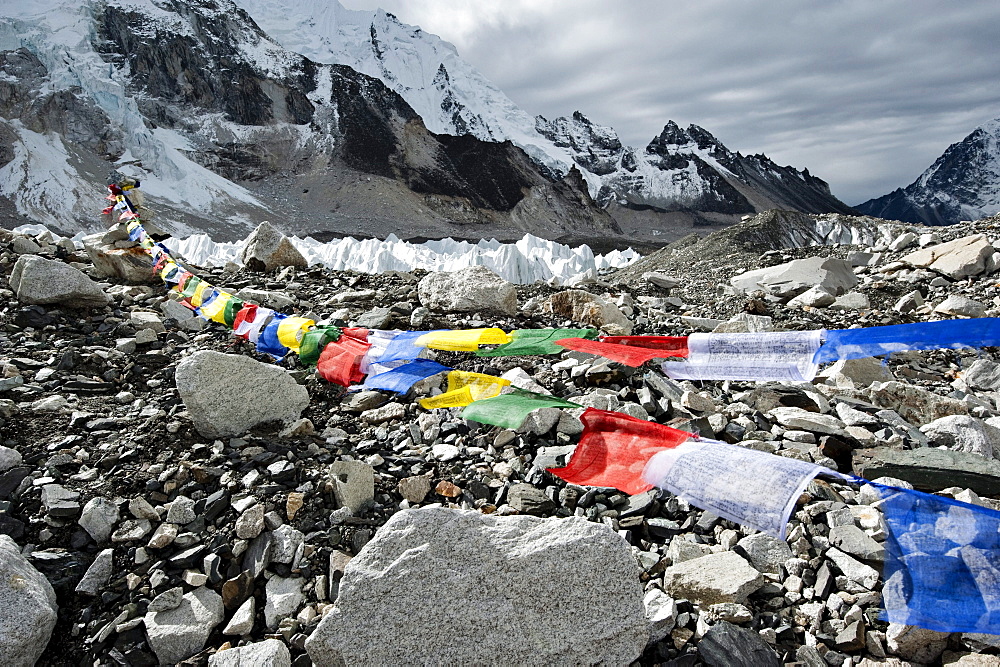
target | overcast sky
[{"x": 866, "y": 94}]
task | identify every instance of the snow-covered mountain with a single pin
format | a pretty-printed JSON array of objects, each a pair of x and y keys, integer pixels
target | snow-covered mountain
[
  {"x": 330, "y": 121},
  {"x": 686, "y": 176},
  {"x": 962, "y": 184},
  {"x": 226, "y": 127}
]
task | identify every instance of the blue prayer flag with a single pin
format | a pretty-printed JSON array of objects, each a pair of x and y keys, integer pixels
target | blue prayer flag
[
  {"x": 877, "y": 341},
  {"x": 268, "y": 342},
  {"x": 402, "y": 378},
  {"x": 403, "y": 347},
  {"x": 942, "y": 565}
]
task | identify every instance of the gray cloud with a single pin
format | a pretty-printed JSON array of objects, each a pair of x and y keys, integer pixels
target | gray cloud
[{"x": 864, "y": 94}]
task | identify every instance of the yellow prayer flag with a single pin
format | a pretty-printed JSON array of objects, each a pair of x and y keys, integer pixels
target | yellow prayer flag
[
  {"x": 216, "y": 310},
  {"x": 464, "y": 388},
  {"x": 200, "y": 292},
  {"x": 468, "y": 340},
  {"x": 292, "y": 329}
]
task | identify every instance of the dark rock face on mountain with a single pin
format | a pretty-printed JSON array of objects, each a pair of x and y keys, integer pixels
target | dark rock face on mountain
[
  {"x": 273, "y": 123},
  {"x": 962, "y": 184}
]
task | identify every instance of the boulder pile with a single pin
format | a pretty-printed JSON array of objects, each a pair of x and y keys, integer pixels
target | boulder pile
[{"x": 167, "y": 495}]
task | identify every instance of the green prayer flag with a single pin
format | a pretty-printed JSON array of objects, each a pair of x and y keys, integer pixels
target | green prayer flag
[
  {"x": 313, "y": 343},
  {"x": 190, "y": 287},
  {"x": 510, "y": 410},
  {"x": 229, "y": 312},
  {"x": 536, "y": 341}
]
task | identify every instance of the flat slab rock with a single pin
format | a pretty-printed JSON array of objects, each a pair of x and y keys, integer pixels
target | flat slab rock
[
  {"x": 931, "y": 469},
  {"x": 439, "y": 586}
]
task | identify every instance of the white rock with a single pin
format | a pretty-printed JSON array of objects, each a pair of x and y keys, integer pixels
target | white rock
[
  {"x": 790, "y": 279},
  {"x": 9, "y": 458},
  {"x": 98, "y": 574},
  {"x": 177, "y": 634},
  {"x": 283, "y": 597},
  {"x": 509, "y": 574},
  {"x": 226, "y": 394},
  {"x": 807, "y": 421},
  {"x": 963, "y": 433},
  {"x": 36, "y": 280},
  {"x": 268, "y": 249},
  {"x": 475, "y": 289},
  {"x": 720, "y": 577},
  {"x": 242, "y": 621},
  {"x": 956, "y": 304},
  {"x": 98, "y": 518},
  {"x": 29, "y": 607},
  {"x": 960, "y": 258},
  {"x": 268, "y": 653},
  {"x": 661, "y": 613}
]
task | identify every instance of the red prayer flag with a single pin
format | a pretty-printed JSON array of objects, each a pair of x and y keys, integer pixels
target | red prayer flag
[
  {"x": 614, "y": 450},
  {"x": 630, "y": 350},
  {"x": 340, "y": 361}
]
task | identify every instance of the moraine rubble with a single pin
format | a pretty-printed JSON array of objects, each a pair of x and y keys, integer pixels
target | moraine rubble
[{"x": 171, "y": 524}]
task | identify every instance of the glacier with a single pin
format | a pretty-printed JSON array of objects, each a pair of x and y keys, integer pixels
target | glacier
[{"x": 529, "y": 260}]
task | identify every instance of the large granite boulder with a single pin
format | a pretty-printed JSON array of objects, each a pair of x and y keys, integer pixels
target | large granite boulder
[
  {"x": 226, "y": 394},
  {"x": 961, "y": 258},
  {"x": 130, "y": 263},
  {"x": 28, "y": 607},
  {"x": 833, "y": 276},
  {"x": 179, "y": 632},
  {"x": 587, "y": 308},
  {"x": 468, "y": 290},
  {"x": 437, "y": 585},
  {"x": 268, "y": 249},
  {"x": 36, "y": 280}
]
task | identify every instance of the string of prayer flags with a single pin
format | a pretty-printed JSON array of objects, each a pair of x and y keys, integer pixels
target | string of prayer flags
[
  {"x": 614, "y": 450},
  {"x": 467, "y": 340},
  {"x": 878, "y": 341},
  {"x": 464, "y": 388},
  {"x": 750, "y": 487},
  {"x": 510, "y": 410},
  {"x": 402, "y": 378},
  {"x": 536, "y": 341},
  {"x": 269, "y": 341},
  {"x": 380, "y": 340},
  {"x": 776, "y": 355},
  {"x": 942, "y": 563},
  {"x": 201, "y": 290},
  {"x": 630, "y": 350},
  {"x": 340, "y": 361},
  {"x": 217, "y": 311},
  {"x": 314, "y": 341},
  {"x": 291, "y": 331}
]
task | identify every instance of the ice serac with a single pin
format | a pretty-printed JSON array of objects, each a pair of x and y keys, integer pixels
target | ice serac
[{"x": 962, "y": 184}]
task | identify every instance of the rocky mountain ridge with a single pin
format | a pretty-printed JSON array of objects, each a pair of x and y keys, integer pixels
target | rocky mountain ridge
[
  {"x": 962, "y": 184},
  {"x": 160, "y": 543},
  {"x": 326, "y": 132}
]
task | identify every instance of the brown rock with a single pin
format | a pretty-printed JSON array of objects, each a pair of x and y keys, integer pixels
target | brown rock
[
  {"x": 447, "y": 489},
  {"x": 293, "y": 504}
]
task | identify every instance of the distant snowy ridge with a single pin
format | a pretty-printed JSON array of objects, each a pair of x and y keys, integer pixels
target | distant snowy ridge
[{"x": 528, "y": 260}]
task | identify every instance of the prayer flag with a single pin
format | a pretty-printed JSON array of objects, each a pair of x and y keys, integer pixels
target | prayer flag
[
  {"x": 340, "y": 361},
  {"x": 269, "y": 341},
  {"x": 536, "y": 341},
  {"x": 292, "y": 329},
  {"x": 401, "y": 379},
  {"x": 313, "y": 343},
  {"x": 510, "y": 410},
  {"x": 614, "y": 450},
  {"x": 467, "y": 340},
  {"x": 779, "y": 355},
  {"x": 404, "y": 346},
  {"x": 250, "y": 320},
  {"x": 750, "y": 487},
  {"x": 877, "y": 341},
  {"x": 942, "y": 563},
  {"x": 464, "y": 388},
  {"x": 630, "y": 350}
]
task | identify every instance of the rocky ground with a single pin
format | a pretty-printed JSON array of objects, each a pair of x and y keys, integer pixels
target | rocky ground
[{"x": 192, "y": 543}]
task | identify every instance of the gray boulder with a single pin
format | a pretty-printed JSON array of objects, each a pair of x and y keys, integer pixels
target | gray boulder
[
  {"x": 835, "y": 276},
  {"x": 542, "y": 587},
  {"x": 721, "y": 577},
  {"x": 36, "y": 280},
  {"x": 226, "y": 394},
  {"x": 967, "y": 256},
  {"x": 589, "y": 309},
  {"x": 961, "y": 306},
  {"x": 268, "y": 249},
  {"x": 178, "y": 633},
  {"x": 132, "y": 264},
  {"x": 983, "y": 374},
  {"x": 27, "y": 607},
  {"x": 473, "y": 289},
  {"x": 268, "y": 653},
  {"x": 964, "y": 434}
]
